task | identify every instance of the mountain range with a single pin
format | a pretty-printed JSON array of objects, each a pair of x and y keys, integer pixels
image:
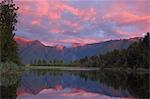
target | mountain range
[{"x": 34, "y": 49}]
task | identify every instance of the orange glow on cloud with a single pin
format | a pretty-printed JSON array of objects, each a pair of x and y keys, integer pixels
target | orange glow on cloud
[
  {"x": 59, "y": 47},
  {"x": 22, "y": 39}
]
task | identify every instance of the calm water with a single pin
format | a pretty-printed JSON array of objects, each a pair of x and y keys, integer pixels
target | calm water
[{"x": 107, "y": 83}]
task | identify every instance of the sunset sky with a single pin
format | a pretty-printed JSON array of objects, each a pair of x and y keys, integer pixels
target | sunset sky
[{"x": 65, "y": 22}]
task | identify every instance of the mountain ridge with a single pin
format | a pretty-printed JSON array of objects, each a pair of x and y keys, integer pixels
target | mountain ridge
[{"x": 34, "y": 49}]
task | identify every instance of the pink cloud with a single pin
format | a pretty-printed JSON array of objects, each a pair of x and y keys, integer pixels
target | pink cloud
[
  {"x": 84, "y": 14},
  {"x": 53, "y": 10},
  {"x": 40, "y": 9},
  {"x": 129, "y": 19},
  {"x": 80, "y": 41},
  {"x": 72, "y": 10},
  {"x": 71, "y": 23},
  {"x": 56, "y": 30},
  {"x": 89, "y": 14},
  {"x": 47, "y": 17},
  {"x": 90, "y": 41},
  {"x": 117, "y": 7},
  {"x": 77, "y": 27},
  {"x": 69, "y": 41},
  {"x": 54, "y": 16},
  {"x": 124, "y": 14},
  {"x": 126, "y": 18},
  {"x": 35, "y": 22},
  {"x": 25, "y": 10},
  {"x": 22, "y": 39}
]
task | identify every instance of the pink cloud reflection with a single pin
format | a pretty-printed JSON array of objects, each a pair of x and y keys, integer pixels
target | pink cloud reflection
[{"x": 67, "y": 93}]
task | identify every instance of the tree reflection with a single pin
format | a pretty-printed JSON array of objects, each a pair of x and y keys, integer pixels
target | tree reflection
[{"x": 133, "y": 83}]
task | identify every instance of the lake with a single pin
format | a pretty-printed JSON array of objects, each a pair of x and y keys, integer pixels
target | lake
[{"x": 74, "y": 84}]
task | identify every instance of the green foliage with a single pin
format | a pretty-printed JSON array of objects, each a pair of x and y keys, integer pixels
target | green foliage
[
  {"x": 8, "y": 20},
  {"x": 136, "y": 56},
  {"x": 9, "y": 67}
]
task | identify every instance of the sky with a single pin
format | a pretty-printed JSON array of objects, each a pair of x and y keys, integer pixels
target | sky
[{"x": 69, "y": 22}]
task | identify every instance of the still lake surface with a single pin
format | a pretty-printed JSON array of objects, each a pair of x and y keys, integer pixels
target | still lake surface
[{"x": 77, "y": 84}]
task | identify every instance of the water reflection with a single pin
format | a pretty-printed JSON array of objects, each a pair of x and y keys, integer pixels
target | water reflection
[
  {"x": 115, "y": 84},
  {"x": 108, "y": 83}
]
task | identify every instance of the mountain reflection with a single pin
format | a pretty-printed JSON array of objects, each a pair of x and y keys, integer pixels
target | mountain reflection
[{"x": 115, "y": 84}]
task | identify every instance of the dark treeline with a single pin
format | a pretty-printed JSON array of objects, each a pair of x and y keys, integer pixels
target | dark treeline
[
  {"x": 135, "y": 56},
  {"x": 43, "y": 62},
  {"x": 53, "y": 62}
]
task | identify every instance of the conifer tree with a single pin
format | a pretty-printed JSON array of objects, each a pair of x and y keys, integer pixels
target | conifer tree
[{"x": 8, "y": 20}]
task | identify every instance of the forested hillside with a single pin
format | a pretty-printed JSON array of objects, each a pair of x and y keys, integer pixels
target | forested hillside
[{"x": 136, "y": 56}]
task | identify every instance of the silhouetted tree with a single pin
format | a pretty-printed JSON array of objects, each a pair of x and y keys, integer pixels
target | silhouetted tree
[
  {"x": 35, "y": 62},
  {"x": 8, "y": 20},
  {"x": 39, "y": 62},
  {"x": 44, "y": 62},
  {"x": 146, "y": 41}
]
